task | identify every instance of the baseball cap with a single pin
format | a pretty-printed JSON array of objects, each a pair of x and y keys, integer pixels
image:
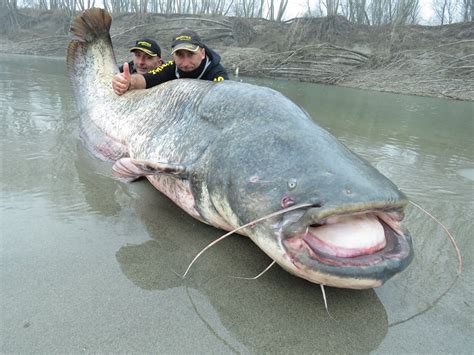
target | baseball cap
[
  {"x": 187, "y": 40},
  {"x": 147, "y": 46}
]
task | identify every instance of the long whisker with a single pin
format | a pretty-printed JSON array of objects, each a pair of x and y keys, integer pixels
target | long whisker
[
  {"x": 325, "y": 300},
  {"x": 244, "y": 226},
  {"x": 255, "y": 277},
  {"x": 450, "y": 236}
]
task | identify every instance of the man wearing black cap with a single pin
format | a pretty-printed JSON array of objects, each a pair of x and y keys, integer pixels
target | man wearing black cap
[
  {"x": 146, "y": 56},
  {"x": 192, "y": 59}
]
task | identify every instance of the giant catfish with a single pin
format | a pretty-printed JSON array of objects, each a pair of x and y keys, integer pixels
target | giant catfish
[{"x": 229, "y": 153}]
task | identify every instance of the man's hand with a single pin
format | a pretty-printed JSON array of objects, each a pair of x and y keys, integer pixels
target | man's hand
[{"x": 121, "y": 82}]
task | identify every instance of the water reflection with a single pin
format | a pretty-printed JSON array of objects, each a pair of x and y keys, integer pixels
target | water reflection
[
  {"x": 272, "y": 314},
  {"x": 35, "y": 136},
  {"x": 98, "y": 186},
  {"x": 467, "y": 173}
]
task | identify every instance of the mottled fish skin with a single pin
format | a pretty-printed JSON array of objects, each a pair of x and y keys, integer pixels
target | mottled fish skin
[{"x": 229, "y": 153}]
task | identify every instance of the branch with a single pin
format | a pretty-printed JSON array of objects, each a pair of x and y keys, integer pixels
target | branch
[
  {"x": 42, "y": 39},
  {"x": 458, "y": 42}
]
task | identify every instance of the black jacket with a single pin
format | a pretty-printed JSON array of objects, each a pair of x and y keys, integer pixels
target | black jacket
[{"x": 168, "y": 71}]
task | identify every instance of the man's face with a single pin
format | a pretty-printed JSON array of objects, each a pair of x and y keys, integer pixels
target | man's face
[
  {"x": 188, "y": 61},
  {"x": 144, "y": 62}
]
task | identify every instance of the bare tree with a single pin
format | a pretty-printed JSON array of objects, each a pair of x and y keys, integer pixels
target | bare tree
[
  {"x": 269, "y": 9},
  {"x": 377, "y": 12},
  {"x": 356, "y": 11},
  {"x": 10, "y": 7},
  {"x": 331, "y": 7},
  {"x": 281, "y": 9},
  {"x": 317, "y": 11},
  {"x": 9, "y": 4},
  {"x": 445, "y": 10},
  {"x": 467, "y": 10},
  {"x": 406, "y": 12}
]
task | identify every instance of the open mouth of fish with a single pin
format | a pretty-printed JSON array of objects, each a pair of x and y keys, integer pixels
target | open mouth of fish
[{"x": 366, "y": 244}]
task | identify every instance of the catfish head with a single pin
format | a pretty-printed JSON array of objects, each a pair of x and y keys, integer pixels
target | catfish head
[{"x": 348, "y": 232}]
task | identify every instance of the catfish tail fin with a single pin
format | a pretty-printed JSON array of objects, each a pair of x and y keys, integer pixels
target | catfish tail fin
[
  {"x": 92, "y": 23},
  {"x": 88, "y": 29}
]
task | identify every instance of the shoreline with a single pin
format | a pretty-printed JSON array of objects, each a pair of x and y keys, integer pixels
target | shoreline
[{"x": 421, "y": 60}]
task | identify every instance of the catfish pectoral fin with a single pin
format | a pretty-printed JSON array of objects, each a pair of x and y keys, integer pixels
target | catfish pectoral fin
[
  {"x": 154, "y": 168},
  {"x": 127, "y": 169}
]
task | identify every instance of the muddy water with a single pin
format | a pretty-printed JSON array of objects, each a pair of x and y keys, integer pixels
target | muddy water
[{"x": 89, "y": 264}]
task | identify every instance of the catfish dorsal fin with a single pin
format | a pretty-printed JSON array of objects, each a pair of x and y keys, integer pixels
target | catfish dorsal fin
[{"x": 129, "y": 169}]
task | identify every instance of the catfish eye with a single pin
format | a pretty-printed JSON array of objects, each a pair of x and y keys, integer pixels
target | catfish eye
[{"x": 291, "y": 184}]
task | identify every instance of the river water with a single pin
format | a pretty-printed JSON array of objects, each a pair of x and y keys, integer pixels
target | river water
[{"x": 89, "y": 264}]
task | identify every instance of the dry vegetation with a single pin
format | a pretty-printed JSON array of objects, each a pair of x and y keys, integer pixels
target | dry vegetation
[{"x": 420, "y": 60}]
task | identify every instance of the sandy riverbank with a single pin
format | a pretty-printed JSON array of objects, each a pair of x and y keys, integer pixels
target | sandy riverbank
[{"x": 418, "y": 60}]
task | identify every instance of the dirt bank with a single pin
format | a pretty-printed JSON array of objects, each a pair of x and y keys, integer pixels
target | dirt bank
[{"x": 419, "y": 60}]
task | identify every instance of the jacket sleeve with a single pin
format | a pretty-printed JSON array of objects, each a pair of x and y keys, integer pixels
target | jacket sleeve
[
  {"x": 220, "y": 74},
  {"x": 162, "y": 74}
]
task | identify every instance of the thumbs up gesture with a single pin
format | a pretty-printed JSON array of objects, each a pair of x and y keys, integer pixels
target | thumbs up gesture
[{"x": 121, "y": 82}]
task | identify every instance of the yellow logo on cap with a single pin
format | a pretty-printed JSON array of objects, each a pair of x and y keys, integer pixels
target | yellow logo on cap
[
  {"x": 183, "y": 38},
  {"x": 146, "y": 44}
]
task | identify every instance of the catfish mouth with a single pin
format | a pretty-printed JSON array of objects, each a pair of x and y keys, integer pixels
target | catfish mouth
[{"x": 362, "y": 245}]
